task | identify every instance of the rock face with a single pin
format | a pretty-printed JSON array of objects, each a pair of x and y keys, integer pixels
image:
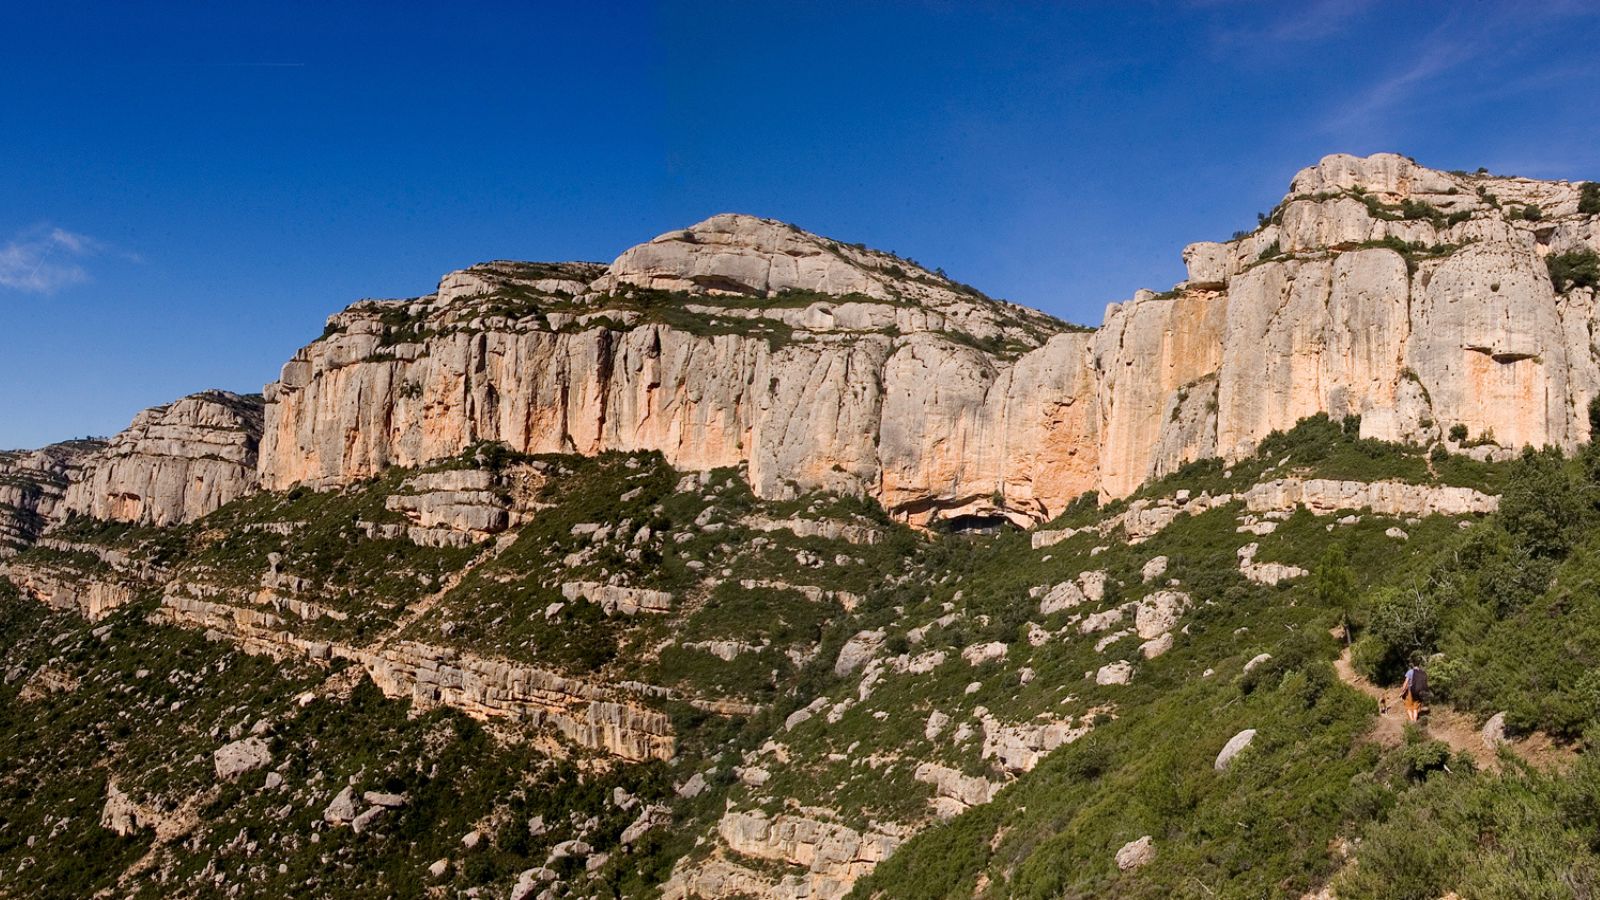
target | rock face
[
  {"x": 825, "y": 365},
  {"x": 833, "y": 390},
  {"x": 595, "y": 716},
  {"x": 834, "y": 856},
  {"x": 32, "y": 488},
  {"x": 1377, "y": 288},
  {"x": 174, "y": 464}
]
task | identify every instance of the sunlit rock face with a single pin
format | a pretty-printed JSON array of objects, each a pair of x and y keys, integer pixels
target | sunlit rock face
[
  {"x": 1415, "y": 299},
  {"x": 33, "y": 484},
  {"x": 174, "y": 464}
]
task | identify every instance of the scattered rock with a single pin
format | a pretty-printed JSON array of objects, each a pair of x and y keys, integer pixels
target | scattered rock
[
  {"x": 694, "y": 787},
  {"x": 1136, "y": 853},
  {"x": 362, "y": 822},
  {"x": 1159, "y": 613},
  {"x": 388, "y": 801},
  {"x": 1494, "y": 731},
  {"x": 1115, "y": 673},
  {"x": 1154, "y": 569},
  {"x": 1235, "y": 745},
  {"x": 979, "y": 654},
  {"x": 239, "y": 757},
  {"x": 856, "y": 651},
  {"x": 1156, "y": 646},
  {"x": 653, "y": 816},
  {"x": 343, "y": 808}
]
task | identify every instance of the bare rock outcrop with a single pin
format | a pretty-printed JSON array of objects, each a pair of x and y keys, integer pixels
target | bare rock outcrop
[
  {"x": 590, "y": 715},
  {"x": 33, "y": 485},
  {"x": 175, "y": 463},
  {"x": 614, "y": 599},
  {"x": 954, "y": 792},
  {"x": 90, "y": 594},
  {"x": 833, "y": 856},
  {"x": 1323, "y": 496},
  {"x": 1377, "y": 288}
]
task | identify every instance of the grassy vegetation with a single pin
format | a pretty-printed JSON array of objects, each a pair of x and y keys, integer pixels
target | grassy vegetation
[
  {"x": 1589, "y": 198},
  {"x": 1507, "y": 609},
  {"x": 1574, "y": 269}
]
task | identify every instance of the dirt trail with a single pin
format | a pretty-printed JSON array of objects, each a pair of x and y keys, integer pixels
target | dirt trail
[{"x": 1459, "y": 730}]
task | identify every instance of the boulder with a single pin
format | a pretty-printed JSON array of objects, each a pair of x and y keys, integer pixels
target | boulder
[
  {"x": 863, "y": 646},
  {"x": 342, "y": 810},
  {"x": 1156, "y": 646},
  {"x": 1493, "y": 733},
  {"x": 1120, "y": 672},
  {"x": 1159, "y": 613},
  {"x": 239, "y": 757},
  {"x": 1136, "y": 853},
  {"x": 1153, "y": 569},
  {"x": 1233, "y": 748}
]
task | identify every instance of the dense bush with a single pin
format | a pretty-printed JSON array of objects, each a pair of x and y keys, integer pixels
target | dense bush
[
  {"x": 1574, "y": 269},
  {"x": 1400, "y": 622},
  {"x": 1543, "y": 503},
  {"x": 1589, "y": 198}
]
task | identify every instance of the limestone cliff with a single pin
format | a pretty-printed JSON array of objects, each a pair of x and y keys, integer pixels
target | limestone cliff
[
  {"x": 907, "y": 386},
  {"x": 174, "y": 464},
  {"x": 1416, "y": 299},
  {"x": 32, "y": 487}
]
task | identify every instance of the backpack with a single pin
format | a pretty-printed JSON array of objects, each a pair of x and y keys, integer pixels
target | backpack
[{"x": 1419, "y": 684}]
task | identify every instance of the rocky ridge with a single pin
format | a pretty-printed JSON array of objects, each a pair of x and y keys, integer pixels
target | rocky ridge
[
  {"x": 174, "y": 464},
  {"x": 1377, "y": 288},
  {"x": 1413, "y": 299},
  {"x": 33, "y": 485}
]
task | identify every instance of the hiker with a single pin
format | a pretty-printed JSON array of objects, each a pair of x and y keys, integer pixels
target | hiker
[{"x": 1415, "y": 691}]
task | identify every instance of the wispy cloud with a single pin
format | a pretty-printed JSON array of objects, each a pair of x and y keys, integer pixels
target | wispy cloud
[
  {"x": 45, "y": 260},
  {"x": 1402, "y": 85},
  {"x": 1314, "y": 20}
]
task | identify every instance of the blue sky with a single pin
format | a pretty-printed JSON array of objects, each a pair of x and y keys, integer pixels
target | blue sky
[{"x": 188, "y": 190}]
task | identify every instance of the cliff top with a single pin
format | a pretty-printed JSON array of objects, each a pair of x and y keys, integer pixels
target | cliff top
[{"x": 731, "y": 273}]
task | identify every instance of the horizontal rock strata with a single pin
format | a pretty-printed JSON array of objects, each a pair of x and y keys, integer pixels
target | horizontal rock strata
[
  {"x": 821, "y": 365},
  {"x": 175, "y": 463},
  {"x": 587, "y": 714}
]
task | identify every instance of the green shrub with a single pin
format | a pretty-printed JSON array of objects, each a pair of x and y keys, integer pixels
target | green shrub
[
  {"x": 1574, "y": 269},
  {"x": 1458, "y": 432},
  {"x": 1542, "y": 503},
  {"x": 1417, "y": 209},
  {"x": 1589, "y": 198},
  {"x": 1400, "y": 622},
  {"x": 1420, "y": 758}
]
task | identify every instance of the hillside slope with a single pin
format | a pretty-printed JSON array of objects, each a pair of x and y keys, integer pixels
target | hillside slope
[
  {"x": 817, "y": 699},
  {"x": 698, "y": 575}
]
